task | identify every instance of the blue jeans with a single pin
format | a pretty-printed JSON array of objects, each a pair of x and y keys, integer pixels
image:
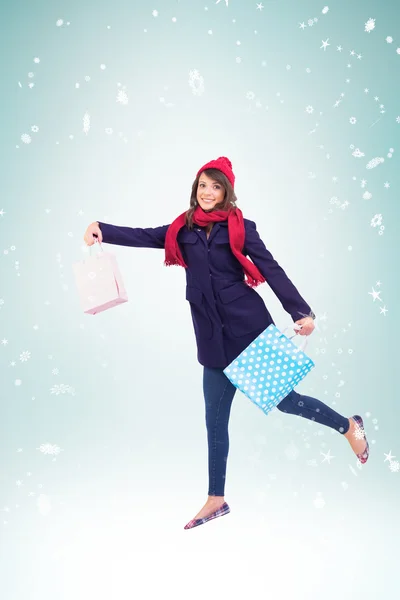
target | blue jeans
[{"x": 218, "y": 395}]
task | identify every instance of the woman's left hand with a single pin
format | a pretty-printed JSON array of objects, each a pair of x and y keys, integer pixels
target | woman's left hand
[{"x": 307, "y": 326}]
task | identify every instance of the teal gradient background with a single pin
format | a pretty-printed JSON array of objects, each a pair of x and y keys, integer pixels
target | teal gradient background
[{"x": 118, "y": 396}]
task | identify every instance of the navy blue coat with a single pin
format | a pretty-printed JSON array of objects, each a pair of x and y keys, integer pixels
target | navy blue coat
[{"x": 227, "y": 314}]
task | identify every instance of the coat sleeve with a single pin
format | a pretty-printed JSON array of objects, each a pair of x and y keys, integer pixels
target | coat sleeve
[
  {"x": 275, "y": 276},
  {"x": 148, "y": 237}
]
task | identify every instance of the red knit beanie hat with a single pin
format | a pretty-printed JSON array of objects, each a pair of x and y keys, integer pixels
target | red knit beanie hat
[{"x": 222, "y": 164}]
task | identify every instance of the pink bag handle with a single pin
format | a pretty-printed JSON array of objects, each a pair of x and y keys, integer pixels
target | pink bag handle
[{"x": 90, "y": 247}]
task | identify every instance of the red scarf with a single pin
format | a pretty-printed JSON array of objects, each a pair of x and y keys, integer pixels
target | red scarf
[{"x": 236, "y": 231}]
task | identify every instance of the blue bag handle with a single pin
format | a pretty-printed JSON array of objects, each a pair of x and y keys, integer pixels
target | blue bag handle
[{"x": 298, "y": 327}]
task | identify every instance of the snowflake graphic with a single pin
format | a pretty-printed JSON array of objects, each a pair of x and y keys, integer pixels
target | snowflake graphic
[
  {"x": 250, "y": 95},
  {"x": 394, "y": 466},
  {"x": 194, "y": 74},
  {"x": 292, "y": 451},
  {"x": 369, "y": 25},
  {"x": 26, "y": 138},
  {"x": 357, "y": 153},
  {"x": 367, "y": 195},
  {"x": 325, "y": 10},
  {"x": 398, "y": 119},
  {"x": 389, "y": 39},
  {"x": 35, "y": 128},
  {"x": 86, "y": 123},
  {"x": 60, "y": 22},
  {"x": 375, "y": 162},
  {"x": 376, "y": 220},
  {"x": 24, "y": 356},
  {"x": 196, "y": 82},
  {"x": 319, "y": 502},
  {"x": 309, "y": 109},
  {"x": 62, "y": 389},
  {"x": 353, "y": 120},
  {"x": 49, "y": 449},
  {"x": 122, "y": 97}
]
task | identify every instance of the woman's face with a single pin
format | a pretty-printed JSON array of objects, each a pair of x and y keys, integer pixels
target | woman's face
[{"x": 209, "y": 192}]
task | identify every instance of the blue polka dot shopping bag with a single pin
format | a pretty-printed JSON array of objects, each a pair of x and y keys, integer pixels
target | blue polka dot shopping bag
[{"x": 269, "y": 368}]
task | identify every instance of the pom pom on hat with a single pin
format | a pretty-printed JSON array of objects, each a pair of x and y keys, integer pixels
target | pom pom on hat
[{"x": 224, "y": 165}]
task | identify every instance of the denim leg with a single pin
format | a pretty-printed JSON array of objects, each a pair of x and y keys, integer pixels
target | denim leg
[
  {"x": 311, "y": 408},
  {"x": 218, "y": 396}
]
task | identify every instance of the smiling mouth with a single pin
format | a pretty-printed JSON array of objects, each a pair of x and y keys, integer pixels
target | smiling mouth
[{"x": 208, "y": 201}]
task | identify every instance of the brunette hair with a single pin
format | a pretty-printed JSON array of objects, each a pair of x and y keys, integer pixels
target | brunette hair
[{"x": 228, "y": 202}]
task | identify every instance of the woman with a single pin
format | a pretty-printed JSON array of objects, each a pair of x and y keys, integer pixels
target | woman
[{"x": 211, "y": 240}]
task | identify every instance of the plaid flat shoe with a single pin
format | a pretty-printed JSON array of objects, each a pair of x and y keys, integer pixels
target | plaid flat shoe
[
  {"x": 220, "y": 512},
  {"x": 360, "y": 434}
]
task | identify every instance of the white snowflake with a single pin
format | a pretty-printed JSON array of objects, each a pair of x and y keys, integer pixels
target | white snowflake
[
  {"x": 319, "y": 502},
  {"x": 35, "y": 128},
  {"x": 109, "y": 130},
  {"x": 26, "y": 138},
  {"x": 310, "y": 22},
  {"x": 353, "y": 120},
  {"x": 394, "y": 466},
  {"x": 86, "y": 123},
  {"x": 250, "y": 95},
  {"x": 357, "y": 153},
  {"x": 62, "y": 389},
  {"x": 369, "y": 25},
  {"x": 375, "y": 162},
  {"x": 376, "y": 220},
  {"x": 49, "y": 449},
  {"x": 292, "y": 451},
  {"x": 196, "y": 83},
  {"x": 24, "y": 356},
  {"x": 367, "y": 195},
  {"x": 325, "y": 10},
  {"x": 60, "y": 22},
  {"x": 389, "y": 39},
  {"x": 309, "y": 109},
  {"x": 194, "y": 74},
  {"x": 155, "y": 13},
  {"x": 122, "y": 97}
]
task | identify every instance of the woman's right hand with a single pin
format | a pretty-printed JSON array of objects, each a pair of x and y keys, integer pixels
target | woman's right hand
[{"x": 93, "y": 234}]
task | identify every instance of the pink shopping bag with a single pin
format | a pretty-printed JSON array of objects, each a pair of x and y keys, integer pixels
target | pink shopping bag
[{"x": 99, "y": 283}]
